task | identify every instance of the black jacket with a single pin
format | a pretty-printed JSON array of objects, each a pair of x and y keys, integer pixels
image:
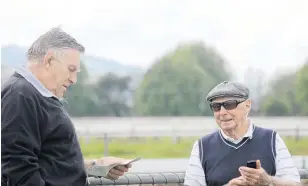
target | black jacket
[{"x": 39, "y": 145}]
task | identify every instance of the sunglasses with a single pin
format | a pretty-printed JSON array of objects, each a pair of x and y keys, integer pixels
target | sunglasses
[{"x": 228, "y": 105}]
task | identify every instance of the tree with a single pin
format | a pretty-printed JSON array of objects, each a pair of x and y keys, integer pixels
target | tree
[
  {"x": 285, "y": 91},
  {"x": 113, "y": 95},
  {"x": 177, "y": 83},
  {"x": 301, "y": 87},
  {"x": 274, "y": 107}
]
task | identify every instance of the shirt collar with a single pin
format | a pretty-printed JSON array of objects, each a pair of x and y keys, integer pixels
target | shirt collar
[
  {"x": 28, "y": 75},
  {"x": 248, "y": 133}
]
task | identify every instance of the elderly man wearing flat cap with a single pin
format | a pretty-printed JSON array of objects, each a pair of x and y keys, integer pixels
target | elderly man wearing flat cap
[{"x": 221, "y": 158}]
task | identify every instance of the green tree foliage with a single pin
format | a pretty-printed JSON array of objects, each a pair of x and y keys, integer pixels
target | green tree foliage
[
  {"x": 113, "y": 95},
  {"x": 177, "y": 83},
  {"x": 274, "y": 107},
  {"x": 288, "y": 95},
  {"x": 301, "y": 84},
  {"x": 109, "y": 96},
  {"x": 281, "y": 94}
]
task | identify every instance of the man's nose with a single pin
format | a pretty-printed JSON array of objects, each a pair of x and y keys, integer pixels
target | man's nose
[
  {"x": 223, "y": 110},
  {"x": 73, "y": 78}
]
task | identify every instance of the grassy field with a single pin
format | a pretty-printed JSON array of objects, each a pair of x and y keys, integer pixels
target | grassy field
[{"x": 161, "y": 147}]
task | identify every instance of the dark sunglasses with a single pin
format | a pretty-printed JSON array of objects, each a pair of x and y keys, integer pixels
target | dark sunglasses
[{"x": 228, "y": 105}]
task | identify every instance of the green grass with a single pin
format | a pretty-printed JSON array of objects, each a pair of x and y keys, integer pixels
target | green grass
[
  {"x": 161, "y": 148},
  {"x": 297, "y": 147}
]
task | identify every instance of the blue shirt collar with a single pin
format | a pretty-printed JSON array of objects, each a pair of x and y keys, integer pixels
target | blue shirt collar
[{"x": 28, "y": 75}]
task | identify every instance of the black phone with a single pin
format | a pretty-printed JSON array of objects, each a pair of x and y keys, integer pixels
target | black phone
[{"x": 252, "y": 164}]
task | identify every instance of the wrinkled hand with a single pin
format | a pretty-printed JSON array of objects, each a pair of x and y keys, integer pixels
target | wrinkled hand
[
  {"x": 117, "y": 171},
  {"x": 239, "y": 181},
  {"x": 256, "y": 176}
]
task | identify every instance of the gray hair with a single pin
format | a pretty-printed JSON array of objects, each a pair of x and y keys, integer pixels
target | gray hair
[{"x": 55, "y": 39}]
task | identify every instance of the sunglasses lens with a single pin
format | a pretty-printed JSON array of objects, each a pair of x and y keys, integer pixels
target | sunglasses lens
[
  {"x": 229, "y": 105},
  {"x": 216, "y": 107}
]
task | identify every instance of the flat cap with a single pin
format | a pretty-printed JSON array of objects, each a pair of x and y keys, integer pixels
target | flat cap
[{"x": 228, "y": 89}]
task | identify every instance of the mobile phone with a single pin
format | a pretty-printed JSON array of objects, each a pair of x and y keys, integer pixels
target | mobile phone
[{"x": 252, "y": 164}]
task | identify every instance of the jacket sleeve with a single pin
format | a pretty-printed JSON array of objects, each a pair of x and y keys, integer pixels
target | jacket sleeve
[{"x": 20, "y": 141}]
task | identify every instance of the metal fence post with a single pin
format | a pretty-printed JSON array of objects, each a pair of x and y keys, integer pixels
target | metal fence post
[
  {"x": 106, "y": 144},
  {"x": 297, "y": 130}
]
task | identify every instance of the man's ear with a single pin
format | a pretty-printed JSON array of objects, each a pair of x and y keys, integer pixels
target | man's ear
[
  {"x": 248, "y": 105},
  {"x": 47, "y": 60}
]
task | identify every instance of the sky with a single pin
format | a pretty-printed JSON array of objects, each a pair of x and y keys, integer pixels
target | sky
[{"x": 260, "y": 34}]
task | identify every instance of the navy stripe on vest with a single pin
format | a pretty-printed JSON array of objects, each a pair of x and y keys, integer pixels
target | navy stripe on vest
[{"x": 221, "y": 159}]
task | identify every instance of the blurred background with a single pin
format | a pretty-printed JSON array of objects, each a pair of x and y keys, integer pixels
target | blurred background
[{"x": 149, "y": 65}]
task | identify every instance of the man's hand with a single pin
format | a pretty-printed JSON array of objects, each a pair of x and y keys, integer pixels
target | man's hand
[
  {"x": 239, "y": 181},
  {"x": 256, "y": 176},
  {"x": 117, "y": 171}
]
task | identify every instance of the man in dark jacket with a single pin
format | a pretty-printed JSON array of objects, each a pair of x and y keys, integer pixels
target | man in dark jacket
[{"x": 39, "y": 145}]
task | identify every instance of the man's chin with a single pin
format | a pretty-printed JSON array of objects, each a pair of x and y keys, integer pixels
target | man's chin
[
  {"x": 60, "y": 95},
  {"x": 227, "y": 125}
]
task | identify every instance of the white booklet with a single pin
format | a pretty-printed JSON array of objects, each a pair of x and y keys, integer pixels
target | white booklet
[{"x": 102, "y": 170}]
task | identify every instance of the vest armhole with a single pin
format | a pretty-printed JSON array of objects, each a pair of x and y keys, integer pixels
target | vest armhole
[
  {"x": 274, "y": 144},
  {"x": 200, "y": 145}
]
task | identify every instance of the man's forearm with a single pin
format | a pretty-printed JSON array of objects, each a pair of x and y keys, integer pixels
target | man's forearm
[{"x": 281, "y": 182}]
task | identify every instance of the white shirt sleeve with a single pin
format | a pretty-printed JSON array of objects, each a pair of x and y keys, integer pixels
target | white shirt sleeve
[
  {"x": 285, "y": 167},
  {"x": 194, "y": 175}
]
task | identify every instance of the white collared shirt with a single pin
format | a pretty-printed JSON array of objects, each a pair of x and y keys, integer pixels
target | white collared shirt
[
  {"x": 236, "y": 141},
  {"x": 285, "y": 167},
  {"x": 22, "y": 70}
]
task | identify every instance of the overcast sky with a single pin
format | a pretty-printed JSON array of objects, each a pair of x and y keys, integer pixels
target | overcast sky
[{"x": 264, "y": 33}]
